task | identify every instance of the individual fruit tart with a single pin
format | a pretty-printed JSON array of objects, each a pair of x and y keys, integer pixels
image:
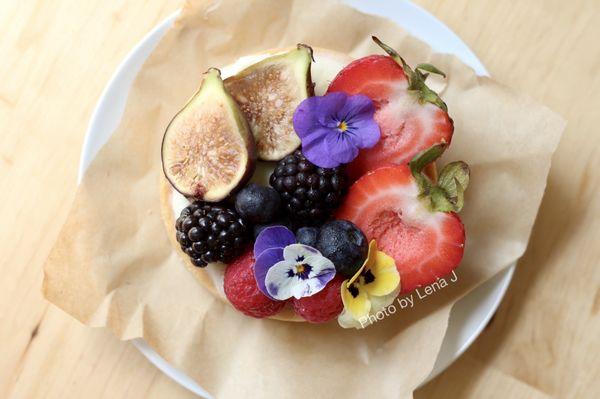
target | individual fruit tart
[{"x": 351, "y": 214}]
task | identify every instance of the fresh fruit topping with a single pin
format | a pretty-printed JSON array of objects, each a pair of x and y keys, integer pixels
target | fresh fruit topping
[
  {"x": 334, "y": 127},
  {"x": 211, "y": 233},
  {"x": 258, "y": 204},
  {"x": 412, "y": 219},
  {"x": 307, "y": 236},
  {"x": 285, "y": 269},
  {"x": 344, "y": 244},
  {"x": 411, "y": 116},
  {"x": 208, "y": 150},
  {"x": 268, "y": 92},
  {"x": 308, "y": 193},
  {"x": 323, "y": 306},
  {"x": 374, "y": 286},
  {"x": 241, "y": 290}
]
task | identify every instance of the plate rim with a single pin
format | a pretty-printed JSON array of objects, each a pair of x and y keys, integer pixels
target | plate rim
[{"x": 127, "y": 70}]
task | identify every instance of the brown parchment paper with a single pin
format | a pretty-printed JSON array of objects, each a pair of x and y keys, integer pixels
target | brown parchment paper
[{"x": 113, "y": 264}]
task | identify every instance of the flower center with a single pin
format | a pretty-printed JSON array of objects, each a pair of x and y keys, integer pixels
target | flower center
[
  {"x": 353, "y": 290},
  {"x": 300, "y": 270},
  {"x": 368, "y": 276},
  {"x": 343, "y": 126}
]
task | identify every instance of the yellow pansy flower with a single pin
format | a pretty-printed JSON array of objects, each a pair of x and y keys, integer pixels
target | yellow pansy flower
[{"x": 373, "y": 287}]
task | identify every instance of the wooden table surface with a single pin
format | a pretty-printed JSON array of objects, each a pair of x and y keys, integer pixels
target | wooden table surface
[{"x": 55, "y": 58}]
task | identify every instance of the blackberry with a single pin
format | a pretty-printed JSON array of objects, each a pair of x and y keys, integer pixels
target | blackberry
[
  {"x": 308, "y": 193},
  {"x": 211, "y": 233}
]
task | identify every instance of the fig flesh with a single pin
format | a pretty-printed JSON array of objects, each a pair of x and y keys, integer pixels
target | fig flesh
[
  {"x": 208, "y": 150},
  {"x": 268, "y": 93}
]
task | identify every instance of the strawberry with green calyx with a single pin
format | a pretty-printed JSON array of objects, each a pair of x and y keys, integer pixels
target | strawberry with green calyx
[
  {"x": 412, "y": 218},
  {"x": 416, "y": 78},
  {"x": 447, "y": 195},
  {"x": 411, "y": 116}
]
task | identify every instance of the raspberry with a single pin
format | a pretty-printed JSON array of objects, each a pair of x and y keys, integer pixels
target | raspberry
[
  {"x": 243, "y": 293},
  {"x": 324, "y": 305}
]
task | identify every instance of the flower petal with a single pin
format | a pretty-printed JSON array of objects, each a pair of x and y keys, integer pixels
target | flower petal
[
  {"x": 315, "y": 149},
  {"x": 263, "y": 263},
  {"x": 273, "y": 237},
  {"x": 357, "y": 106},
  {"x": 355, "y": 300},
  {"x": 364, "y": 133},
  {"x": 385, "y": 275},
  {"x": 305, "y": 119},
  {"x": 340, "y": 147},
  {"x": 284, "y": 280},
  {"x": 330, "y": 106},
  {"x": 346, "y": 319},
  {"x": 359, "y": 112},
  {"x": 367, "y": 263},
  {"x": 278, "y": 282},
  {"x": 378, "y": 303},
  {"x": 293, "y": 252},
  {"x": 322, "y": 270},
  {"x": 281, "y": 286}
]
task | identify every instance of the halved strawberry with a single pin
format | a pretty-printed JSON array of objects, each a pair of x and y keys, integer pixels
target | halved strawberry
[
  {"x": 411, "y": 117},
  {"x": 412, "y": 219}
]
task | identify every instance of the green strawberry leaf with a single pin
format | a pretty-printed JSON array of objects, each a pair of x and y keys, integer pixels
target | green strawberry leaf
[
  {"x": 439, "y": 200},
  {"x": 418, "y": 163},
  {"x": 429, "y": 68},
  {"x": 448, "y": 194},
  {"x": 454, "y": 179},
  {"x": 416, "y": 78}
]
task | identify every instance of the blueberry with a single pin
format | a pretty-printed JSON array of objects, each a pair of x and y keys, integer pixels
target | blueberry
[
  {"x": 258, "y": 204},
  {"x": 344, "y": 244},
  {"x": 307, "y": 236}
]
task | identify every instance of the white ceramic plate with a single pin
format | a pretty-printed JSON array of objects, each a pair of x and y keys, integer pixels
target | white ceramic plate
[{"x": 469, "y": 316}]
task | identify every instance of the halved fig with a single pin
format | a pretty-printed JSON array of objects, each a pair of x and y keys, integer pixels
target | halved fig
[
  {"x": 208, "y": 150},
  {"x": 268, "y": 93}
]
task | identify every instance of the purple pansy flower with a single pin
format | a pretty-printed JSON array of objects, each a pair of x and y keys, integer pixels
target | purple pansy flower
[
  {"x": 334, "y": 127},
  {"x": 284, "y": 269},
  {"x": 302, "y": 272},
  {"x": 268, "y": 250}
]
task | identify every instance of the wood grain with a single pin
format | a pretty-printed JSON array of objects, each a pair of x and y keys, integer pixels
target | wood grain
[{"x": 56, "y": 58}]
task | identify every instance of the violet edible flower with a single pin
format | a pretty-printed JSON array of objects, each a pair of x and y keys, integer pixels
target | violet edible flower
[{"x": 334, "y": 127}]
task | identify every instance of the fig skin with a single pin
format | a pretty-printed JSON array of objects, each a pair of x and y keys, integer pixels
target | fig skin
[
  {"x": 268, "y": 93},
  {"x": 195, "y": 165}
]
